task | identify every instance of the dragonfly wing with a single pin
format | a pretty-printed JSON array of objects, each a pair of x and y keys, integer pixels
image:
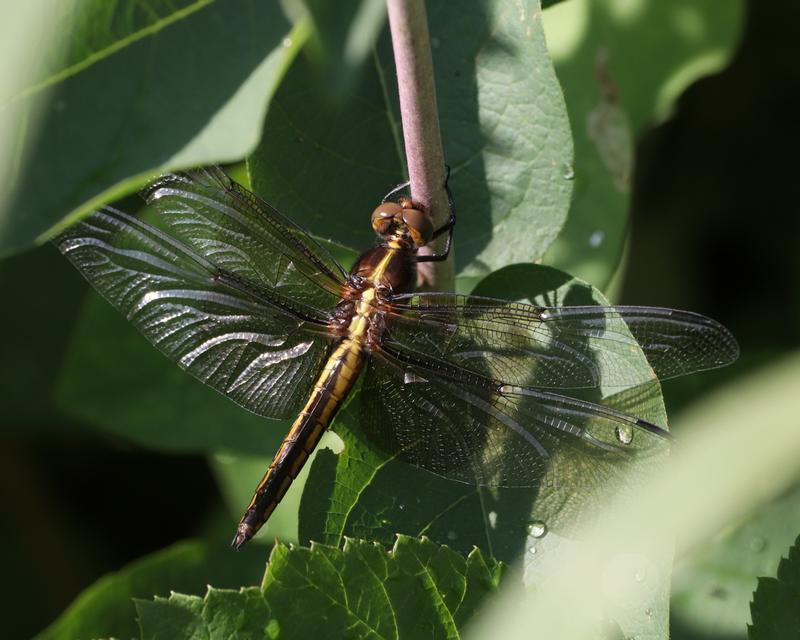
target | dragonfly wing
[
  {"x": 212, "y": 298},
  {"x": 461, "y": 426},
  {"x": 559, "y": 347},
  {"x": 243, "y": 235}
]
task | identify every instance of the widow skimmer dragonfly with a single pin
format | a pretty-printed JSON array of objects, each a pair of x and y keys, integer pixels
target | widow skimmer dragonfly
[{"x": 470, "y": 388}]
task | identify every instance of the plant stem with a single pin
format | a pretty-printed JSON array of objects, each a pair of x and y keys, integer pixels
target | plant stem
[{"x": 408, "y": 24}]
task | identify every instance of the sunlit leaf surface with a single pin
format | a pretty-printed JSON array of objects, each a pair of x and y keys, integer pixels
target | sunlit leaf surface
[
  {"x": 416, "y": 589},
  {"x": 166, "y": 85}
]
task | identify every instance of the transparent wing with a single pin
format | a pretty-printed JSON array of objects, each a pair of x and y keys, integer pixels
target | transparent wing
[
  {"x": 243, "y": 235},
  {"x": 463, "y": 427},
  {"x": 206, "y": 281},
  {"x": 559, "y": 347}
]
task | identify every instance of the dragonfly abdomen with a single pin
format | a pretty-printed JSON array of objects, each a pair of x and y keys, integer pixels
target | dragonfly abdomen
[{"x": 335, "y": 381}]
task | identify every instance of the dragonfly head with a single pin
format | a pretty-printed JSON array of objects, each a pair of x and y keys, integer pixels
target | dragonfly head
[{"x": 404, "y": 219}]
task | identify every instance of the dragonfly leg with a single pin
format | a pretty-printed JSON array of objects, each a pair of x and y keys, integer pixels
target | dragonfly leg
[{"x": 447, "y": 227}]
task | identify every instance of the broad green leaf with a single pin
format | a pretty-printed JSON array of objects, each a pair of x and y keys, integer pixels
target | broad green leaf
[
  {"x": 362, "y": 493},
  {"x": 623, "y": 66},
  {"x": 94, "y": 29},
  {"x": 327, "y": 163},
  {"x": 362, "y": 590},
  {"x": 107, "y": 609},
  {"x": 775, "y": 608},
  {"x": 164, "y": 85},
  {"x": 113, "y": 379},
  {"x": 713, "y": 585}
]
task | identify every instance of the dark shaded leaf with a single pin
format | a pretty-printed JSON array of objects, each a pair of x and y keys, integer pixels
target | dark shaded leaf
[
  {"x": 775, "y": 608},
  {"x": 107, "y": 608},
  {"x": 622, "y": 71}
]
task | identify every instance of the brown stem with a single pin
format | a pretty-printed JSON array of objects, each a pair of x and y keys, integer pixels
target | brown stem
[{"x": 408, "y": 24}]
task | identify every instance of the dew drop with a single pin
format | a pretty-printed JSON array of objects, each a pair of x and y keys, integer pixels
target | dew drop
[
  {"x": 758, "y": 544},
  {"x": 493, "y": 519},
  {"x": 532, "y": 551},
  {"x": 385, "y": 522},
  {"x": 537, "y": 529},
  {"x": 401, "y": 507},
  {"x": 640, "y": 575},
  {"x": 624, "y": 434},
  {"x": 286, "y": 42},
  {"x": 596, "y": 238},
  {"x": 568, "y": 171}
]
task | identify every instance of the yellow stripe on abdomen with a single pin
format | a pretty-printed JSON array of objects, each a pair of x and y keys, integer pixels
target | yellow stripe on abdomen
[{"x": 334, "y": 382}]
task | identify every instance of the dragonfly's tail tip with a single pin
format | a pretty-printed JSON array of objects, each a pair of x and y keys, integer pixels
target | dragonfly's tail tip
[{"x": 243, "y": 533}]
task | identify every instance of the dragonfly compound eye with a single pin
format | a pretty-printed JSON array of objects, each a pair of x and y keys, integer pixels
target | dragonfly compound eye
[
  {"x": 419, "y": 225},
  {"x": 384, "y": 216}
]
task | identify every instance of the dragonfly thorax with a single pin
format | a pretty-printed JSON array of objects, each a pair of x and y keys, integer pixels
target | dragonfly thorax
[{"x": 388, "y": 266}]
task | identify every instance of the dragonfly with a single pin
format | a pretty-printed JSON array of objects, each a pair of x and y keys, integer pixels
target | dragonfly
[{"x": 474, "y": 389}]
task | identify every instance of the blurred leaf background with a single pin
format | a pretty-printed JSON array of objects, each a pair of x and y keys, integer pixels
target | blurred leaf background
[{"x": 683, "y": 117}]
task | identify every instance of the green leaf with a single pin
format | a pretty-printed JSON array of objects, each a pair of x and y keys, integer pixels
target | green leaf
[
  {"x": 107, "y": 608},
  {"x": 712, "y": 586},
  {"x": 327, "y": 163},
  {"x": 415, "y": 589},
  {"x": 165, "y": 85},
  {"x": 775, "y": 608},
  {"x": 623, "y": 67}
]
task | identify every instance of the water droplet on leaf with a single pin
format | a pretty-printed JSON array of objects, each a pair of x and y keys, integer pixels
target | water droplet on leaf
[
  {"x": 537, "y": 528},
  {"x": 758, "y": 544},
  {"x": 624, "y": 434}
]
